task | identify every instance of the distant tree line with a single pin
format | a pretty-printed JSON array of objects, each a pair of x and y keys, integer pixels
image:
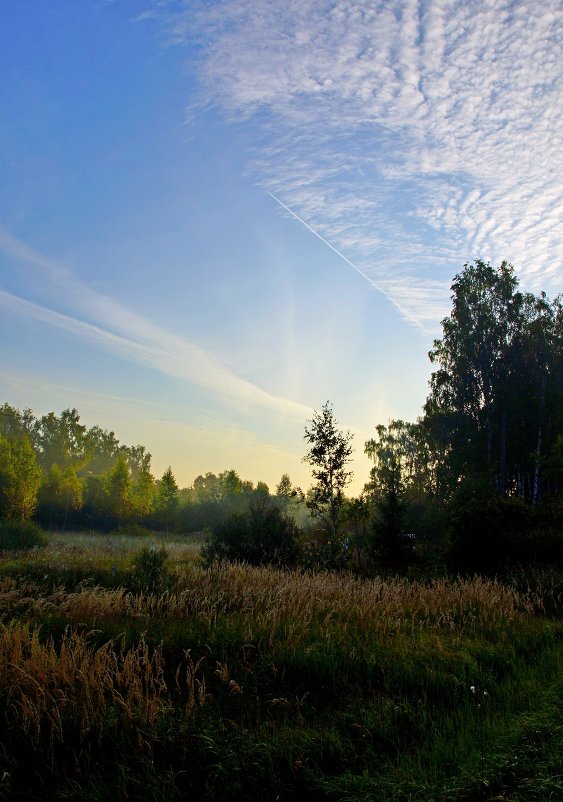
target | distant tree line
[
  {"x": 474, "y": 484},
  {"x": 64, "y": 475}
]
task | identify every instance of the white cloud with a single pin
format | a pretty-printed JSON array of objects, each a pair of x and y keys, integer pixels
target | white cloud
[
  {"x": 110, "y": 326},
  {"x": 413, "y": 135}
]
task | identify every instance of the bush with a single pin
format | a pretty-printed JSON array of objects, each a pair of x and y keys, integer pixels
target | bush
[
  {"x": 488, "y": 535},
  {"x": 150, "y": 568},
  {"x": 18, "y": 535},
  {"x": 261, "y": 536},
  {"x": 133, "y": 530}
]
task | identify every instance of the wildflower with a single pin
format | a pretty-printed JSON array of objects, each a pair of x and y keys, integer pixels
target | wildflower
[{"x": 472, "y": 689}]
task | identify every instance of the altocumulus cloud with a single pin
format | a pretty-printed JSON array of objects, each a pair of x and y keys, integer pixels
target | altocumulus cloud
[{"x": 412, "y": 135}]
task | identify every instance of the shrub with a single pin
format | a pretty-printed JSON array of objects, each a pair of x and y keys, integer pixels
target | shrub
[
  {"x": 261, "y": 536},
  {"x": 18, "y": 535},
  {"x": 133, "y": 530},
  {"x": 489, "y": 534},
  {"x": 150, "y": 568}
]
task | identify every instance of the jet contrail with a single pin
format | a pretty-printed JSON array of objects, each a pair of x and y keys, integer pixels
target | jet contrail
[
  {"x": 326, "y": 242},
  {"x": 370, "y": 281}
]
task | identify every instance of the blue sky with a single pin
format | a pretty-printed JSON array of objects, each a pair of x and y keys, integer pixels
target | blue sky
[{"x": 215, "y": 216}]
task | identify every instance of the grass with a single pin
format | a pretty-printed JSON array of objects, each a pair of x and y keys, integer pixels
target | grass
[{"x": 235, "y": 682}]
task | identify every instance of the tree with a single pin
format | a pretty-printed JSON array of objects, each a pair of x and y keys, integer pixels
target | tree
[
  {"x": 60, "y": 439},
  {"x": 285, "y": 493},
  {"x": 60, "y": 494},
  {"x": 14, "y": 424},
  {"x": 538, "y": 386},
  {"x": 399, "y": 454},
  {"x": 167, "y": 497},
  {"x": 357, "y": 516},
  {"x": 259, "y": 496},
  {"x": 393, "y": 453},
  {"x": 207, "y": 489},
  {"x": 102, "y": 450},
  {"x": 20, "y": 477},
  {"x": 118, "y": 491},
  {"x": 284, "y": 487},
  {"x": 472, "y": 358},
  {"x": 329, "y": 453},
  {"x": 143, "y": 491},
  {"x": 495, "y": 402},
  {"x": 138, "y": 459}
]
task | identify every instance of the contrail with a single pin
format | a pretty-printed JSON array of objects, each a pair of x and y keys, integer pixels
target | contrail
[
  {"x": 326, "y": 242},
  {"x": 370, "y": 281}
]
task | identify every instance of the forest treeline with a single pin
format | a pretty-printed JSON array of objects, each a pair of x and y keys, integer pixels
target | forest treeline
[{"x": 474, "y": 484}]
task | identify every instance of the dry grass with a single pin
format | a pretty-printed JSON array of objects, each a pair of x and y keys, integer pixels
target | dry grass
[
  {"x": 315, "y": 669},
  {"x": 287, "y": 605},
  {"x": 46, "y": 686}
]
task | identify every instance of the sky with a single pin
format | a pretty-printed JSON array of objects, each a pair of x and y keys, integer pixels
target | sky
[{"x": 216, "y": 216}]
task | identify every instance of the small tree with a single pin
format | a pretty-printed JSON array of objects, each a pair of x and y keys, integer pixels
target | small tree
[
  {"x": 20, "y": 477},
  {"x": 167, "y": 497},
  {"x": 329, "y": 453},
  {"x": 284, "y": 493},
  {"x": 143, "y": 492},
  {"x": 118, "y": 490}
]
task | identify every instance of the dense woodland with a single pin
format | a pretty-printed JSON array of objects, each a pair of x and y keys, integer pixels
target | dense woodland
[{"x": 474, "y": 484}]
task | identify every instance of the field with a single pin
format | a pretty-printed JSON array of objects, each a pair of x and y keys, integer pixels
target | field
[{"x": 131, "y": 672}]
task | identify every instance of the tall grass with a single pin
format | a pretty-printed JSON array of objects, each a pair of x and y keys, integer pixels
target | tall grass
[{"x": 251, "y": 683}]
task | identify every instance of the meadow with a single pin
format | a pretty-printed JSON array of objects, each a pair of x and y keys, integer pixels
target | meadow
[{"x": 129, "y": 670}]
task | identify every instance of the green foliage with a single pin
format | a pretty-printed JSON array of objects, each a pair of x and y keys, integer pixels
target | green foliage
[
  {"x": 60, "y": 495},
  {"x": 329, "y": 453},
  {"x": 20, "y": 477},
  {"x": 15, "y": 424},
  {"x": 143, "y": 493},
  {"x": 284, "y": 488},
  {"x": 118, "y": 491},
  {"x": 166, "y": 498},
  {"x": 358, "y": 514},
  {"x": 495, "y": 401},
  {"x": 16, "y": 535},
  {"x": 102, "y": 450},
  {"x": 150, "y": 568},
  {"x": 60, "y": 439},
  {"x": 261, "y": 536},
  {"x": 392, "y": 454}
]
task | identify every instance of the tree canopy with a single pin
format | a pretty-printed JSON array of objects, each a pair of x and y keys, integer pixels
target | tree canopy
[{"x": 495, "y": 398}]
